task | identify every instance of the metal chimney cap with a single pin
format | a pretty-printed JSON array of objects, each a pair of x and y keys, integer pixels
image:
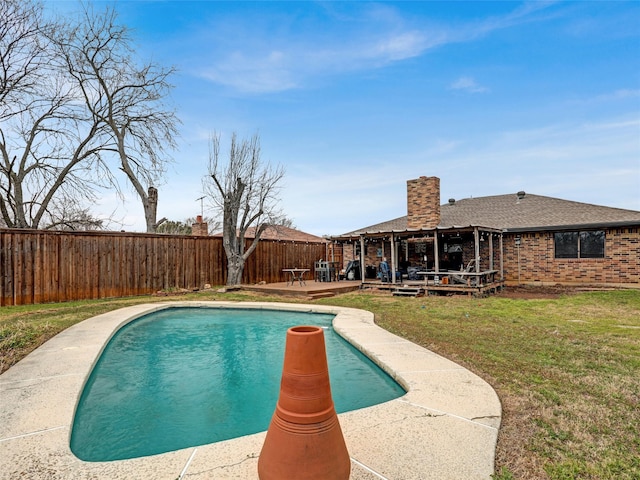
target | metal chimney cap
[
  {"x": 520, "y": 194},
  {"x": 452, "y": 201}
]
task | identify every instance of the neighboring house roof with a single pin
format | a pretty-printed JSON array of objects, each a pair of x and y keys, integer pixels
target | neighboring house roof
[
  {"x": 279, "y": 232},
  {"x": 514, "y": 212}
]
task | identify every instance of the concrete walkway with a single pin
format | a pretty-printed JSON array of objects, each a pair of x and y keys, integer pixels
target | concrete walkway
[{"x": 445, "y": 427}]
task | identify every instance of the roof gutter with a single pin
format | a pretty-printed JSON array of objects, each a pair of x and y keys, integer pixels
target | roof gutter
[{"x": 577, "y": 226}]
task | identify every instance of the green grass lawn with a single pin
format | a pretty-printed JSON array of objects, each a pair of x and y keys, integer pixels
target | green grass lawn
[{"x": 567, "y": 369}]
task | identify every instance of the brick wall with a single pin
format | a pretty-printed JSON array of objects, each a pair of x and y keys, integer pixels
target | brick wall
[
  {"x": 423, "y": 202},
  {"x": 537, "y": 264},
  {"x": 469, "y": 251},
  {"x": 371, "y": 258}
]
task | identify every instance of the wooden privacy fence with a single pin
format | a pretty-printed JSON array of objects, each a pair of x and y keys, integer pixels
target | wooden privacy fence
[{"x": 41, "y": 266}]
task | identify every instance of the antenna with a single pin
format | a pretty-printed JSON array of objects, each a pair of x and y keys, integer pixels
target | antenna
[{"x": 201, "y": 200}]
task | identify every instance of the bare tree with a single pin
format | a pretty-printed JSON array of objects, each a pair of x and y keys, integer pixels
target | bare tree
[
  {"x": 68, "y": 215},
  {"x": 246, "y": 191},
  {"x": 21, "y": 53},
  {"x": 127, "y": 97},
  {"x": 73, "y": 100},
  {"x": 47, "y": 146}
]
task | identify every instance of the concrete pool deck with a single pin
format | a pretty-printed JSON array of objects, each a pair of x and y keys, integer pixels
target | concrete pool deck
[{"x": 444, "y": 427}]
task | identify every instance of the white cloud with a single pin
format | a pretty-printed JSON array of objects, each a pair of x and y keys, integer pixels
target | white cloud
[
  {"x": 400, "y": 46},
  {"x": 468, "y": 84},
  {"x": 263, "y": 72},
  {"x": 621, "y": 94},
  {"x": 244, "y": 62},
  {"x": 289, "y": 67}
]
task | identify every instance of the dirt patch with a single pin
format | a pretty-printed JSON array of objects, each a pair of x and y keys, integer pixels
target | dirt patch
[
  {"x": 546, "y": 291},
  {"x": 536, "y": 291}
]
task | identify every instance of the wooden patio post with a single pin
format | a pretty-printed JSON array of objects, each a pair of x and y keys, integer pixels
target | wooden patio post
[
  {"x": 362, "y": 257},
  {"x": 491, "y": 251},
  {"x": 501, "y": 259},
  {"x": 393, "y": 259},
  {"x": 476, "y": 241},
  {"x": 436, "y": 257}
]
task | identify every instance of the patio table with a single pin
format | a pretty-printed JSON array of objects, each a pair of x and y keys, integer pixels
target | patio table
[{"x": 296, "y": 274}]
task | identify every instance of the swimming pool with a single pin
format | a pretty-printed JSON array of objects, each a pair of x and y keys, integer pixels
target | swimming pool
[{"x": 184, "y": 377}]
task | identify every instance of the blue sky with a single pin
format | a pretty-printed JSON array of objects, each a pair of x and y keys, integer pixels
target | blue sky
[{"x": 356, "y": 98}]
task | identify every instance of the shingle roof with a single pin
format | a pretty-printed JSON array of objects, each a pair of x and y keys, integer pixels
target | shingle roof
[
  {"x": 279, "y": 232},
  {"x": 510, "y": 212},
  {"x": 514, "y": 212},
  {"x": 397, "y": 224}
]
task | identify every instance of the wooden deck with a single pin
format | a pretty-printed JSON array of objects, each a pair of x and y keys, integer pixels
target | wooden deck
[
  {"x": 422, "y": 287},
  {"x": 310, "y": 290}
]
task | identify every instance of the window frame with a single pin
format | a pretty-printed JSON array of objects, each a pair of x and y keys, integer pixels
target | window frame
[{"x": 579, "y": 244}]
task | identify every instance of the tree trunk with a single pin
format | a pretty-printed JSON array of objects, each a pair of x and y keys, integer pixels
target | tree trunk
[
  {"x": 150, "y": 205},
  {"x": 235, "y": 267}
]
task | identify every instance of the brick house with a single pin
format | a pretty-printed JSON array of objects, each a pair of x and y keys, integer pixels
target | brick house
[{"x": 528, "y": 239}]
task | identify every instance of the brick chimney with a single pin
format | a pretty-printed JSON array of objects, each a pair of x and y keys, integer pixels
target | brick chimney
[
  {"x": 423, "y": 202},
  {"x": 200, "y": 228}
]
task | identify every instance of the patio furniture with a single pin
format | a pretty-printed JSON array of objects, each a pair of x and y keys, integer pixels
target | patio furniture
[
  {"x": 476, "y": 279},
  {"x": 385, "y": 272},
  {"x": 412, "y": 273},
  {"x": 460, "y": 277},
  {"x": 295, "y": 275},
  {"x": 322, "y": 271}
]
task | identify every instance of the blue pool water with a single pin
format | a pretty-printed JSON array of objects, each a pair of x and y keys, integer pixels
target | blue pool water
[{"x": 184, "y": 377}]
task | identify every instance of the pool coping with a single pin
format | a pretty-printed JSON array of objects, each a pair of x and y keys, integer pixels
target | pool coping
[{"x": 444, "y": 427}]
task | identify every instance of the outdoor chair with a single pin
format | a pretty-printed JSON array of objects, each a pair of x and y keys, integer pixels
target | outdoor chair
[
  {"x": 385, "y": 272},
  {"x": 321, "y": 271},
  {"x": 462, "y": 278},
  {"x": 412, "y": 273}
]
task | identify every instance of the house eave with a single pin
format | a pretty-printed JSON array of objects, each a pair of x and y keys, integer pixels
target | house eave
[
  {"x": 408, "y": 232},
  {"x": 412, "y": 232},
  {"x": 576, "y": 226}
]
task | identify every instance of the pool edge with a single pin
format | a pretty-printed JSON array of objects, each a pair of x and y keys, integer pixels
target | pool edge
[{"x": 413, "y": 436}]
